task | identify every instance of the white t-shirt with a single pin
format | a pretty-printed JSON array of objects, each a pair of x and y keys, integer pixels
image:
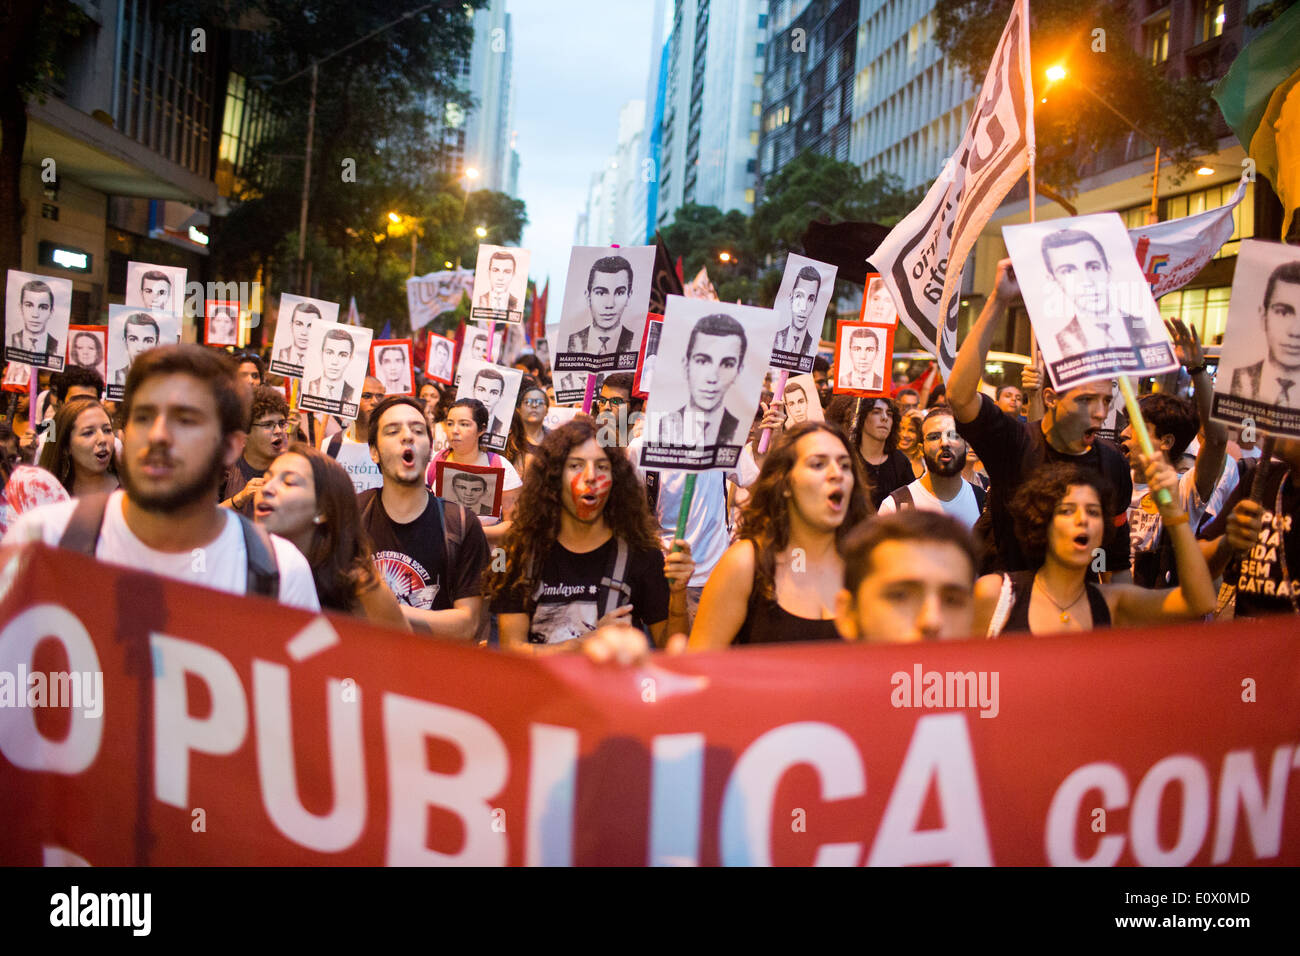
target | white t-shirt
[
  {"x": 355, "y": 458},
  {"x": 964, "y": 507},
  {"x": 222, "y": 565}
]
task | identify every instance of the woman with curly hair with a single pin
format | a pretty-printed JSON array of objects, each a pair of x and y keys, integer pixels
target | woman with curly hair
[
  {"x": 910, "y": 442},
  {"x": 582, "y": 551},
  {"x": 780, "y": 580},
  {"x": 1060, "y": 515},
  {"x": 82, "y": 455},
  {"x": 872, "y": 427}
]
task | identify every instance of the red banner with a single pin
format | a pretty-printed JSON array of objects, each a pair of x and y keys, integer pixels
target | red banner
[{"x": 233, "y": 731}]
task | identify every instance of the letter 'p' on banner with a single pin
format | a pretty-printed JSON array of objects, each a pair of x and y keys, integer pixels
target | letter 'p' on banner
[{"x": 314, "y": 740}]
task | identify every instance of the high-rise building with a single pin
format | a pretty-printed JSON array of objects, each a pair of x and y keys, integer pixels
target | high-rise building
[
  {"x": 488, "y": 129},
  {"x": 615, "y": 210},
  {"x": 711, "y": 102}
]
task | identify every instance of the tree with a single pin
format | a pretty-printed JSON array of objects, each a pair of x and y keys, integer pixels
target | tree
[
  {"x": 700, "y": 234},
  {"x": 1091, "y": 40}
]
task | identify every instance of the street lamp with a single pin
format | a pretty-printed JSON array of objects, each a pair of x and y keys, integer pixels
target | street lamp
[
  {"x": 470, "y": 174},
  {"x": 724, "y": 256},
  {"x": 411, "y": 221},
  {"x": 480, "y": 231}
]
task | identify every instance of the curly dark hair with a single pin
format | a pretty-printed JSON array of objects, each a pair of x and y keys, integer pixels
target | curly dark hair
[
  {"x": 765, "y": 519},
  {"x": 536, "y": 522},
  {"x": 1035, "y": 503}
]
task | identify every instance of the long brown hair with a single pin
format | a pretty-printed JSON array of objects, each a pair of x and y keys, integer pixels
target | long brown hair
[
  {"x": 339, "y": 553},
  {"x": 536, "y": 522},
  {"x": 765, "y": 519},
  {"x": 56, "y": 457},
  {"x": 517, "y": 440}
]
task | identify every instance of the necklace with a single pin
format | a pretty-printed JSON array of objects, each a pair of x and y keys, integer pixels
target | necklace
[{"x": 1063, "y": 608}]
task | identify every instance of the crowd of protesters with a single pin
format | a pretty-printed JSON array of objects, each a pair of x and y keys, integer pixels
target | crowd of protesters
[{"x": 941, "y": 513}]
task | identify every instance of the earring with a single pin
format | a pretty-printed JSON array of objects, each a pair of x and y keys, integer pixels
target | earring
[{"x": 319, "y": 519}]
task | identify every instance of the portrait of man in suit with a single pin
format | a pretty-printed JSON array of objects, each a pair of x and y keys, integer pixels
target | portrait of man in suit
[
  {"x": 609, "y": 284},
  {"x": 36, "y": 303},
  {"x": 1077, "y": 264},
  {"x": 489, "y": 386},
  {"x": 394, "y": 370},
  {"x": 440, "y": 359},
  {"x": 803, "y": 298},
  {"x": 470, "y": 490},
  {"x": 335, "y": 352},
  {"x": 140, "y": 332},
  {"x": 295, "y": 353},
  {"x": 501, "y": 272},
  {"x": 860, "y": 371},
  {"x": 155, "y": 290},
  {"x": 796, "y": 403},
  {"x": 1276, "y": 379},
  {"x": 715, "y": 354}
]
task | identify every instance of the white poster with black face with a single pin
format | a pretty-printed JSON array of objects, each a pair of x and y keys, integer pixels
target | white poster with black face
[
  {"x": 335, "y": 368},
  {"x": 38, "y": 310},
  {"x": 500, "y": 284},
  {"x": 390, "y": 362},
  {"x": 707, "y": 383},
  {"x": 497, "y": 387},
  {"x": 475, "y": 344},
  {"x": 606, "y": 297},
  {"x": 154, "y": 287},
  {"x": 477, "y": 487},
  {"x": 802, "y": 403},
  {"x": 293, "y": 327},
  {"x": 807, "y": 288},
  {"x": 132, "y": 331},
  {"x": 877, "y": 303},
  {"x": 1090, "y": 305},
  {"x": 437, "y": 363},
  {"x": 1259, "y": 368}
]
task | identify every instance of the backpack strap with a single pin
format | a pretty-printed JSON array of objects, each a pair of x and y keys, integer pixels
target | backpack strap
[
  {"x": 981, "y": 495},
  {"x": 613, "y": 582},
  {"x": 82, "y": 533},
  {"x": 335, "y": 445},
  {"x": 263, "y": 571},
  {"x": 902, "y": 498},
  {"x": 452, "y": 517}
]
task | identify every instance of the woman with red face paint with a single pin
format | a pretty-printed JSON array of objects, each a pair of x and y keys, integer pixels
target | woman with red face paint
[
  {"x": 466, "y": 424},
  {"x": 583, "y": 552},
  {"x": 1060, "y": 515},
  {"x": 780, "y": 580}
]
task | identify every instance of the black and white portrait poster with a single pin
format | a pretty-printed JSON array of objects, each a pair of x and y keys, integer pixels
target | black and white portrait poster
[
  {"x": 497, "y": 387},
  {"x": 807, "y": 288},
  {"x": 475, "y": 345},
  {"x": 438, "y": 358},
  {"x": 88, "y": 348},
  {"x": 543, "y": 352},
  {"x": 477, "y": 487},
  {"x": 221, "y": 322},
  {"x": 645, "y": 364},
  {"x": 1259, "y": 368},
  {"x": 293, "y": 325},
  {"x": 132, "y": 331},
  {"x": 1090, "y": 305},
  {"x": 802, "y": 403},
  {"x": 864, "y": 354},
  {"x": 606, "y": 298},
  {"x": 877, "y": 303},
  {"x": 707, "y": 382},
  {"x": 335, "y": 368},
  {"x": 390, "y": 362},
  {"x": 37, "y": 312},
  {"x": 155, "y": 287},
  {"x": 500, "y": 282}
]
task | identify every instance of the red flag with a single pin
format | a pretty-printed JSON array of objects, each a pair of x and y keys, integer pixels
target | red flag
[{"x": 680, "y": 275}]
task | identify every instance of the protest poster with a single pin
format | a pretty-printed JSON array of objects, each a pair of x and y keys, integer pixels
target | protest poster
[
  {"x": 429, "y": 296},
  {"x": 18, "y": 378},
  {"x": 1259, "y": 368},
  {"x": 438, "y": 363},
  {"x": 602, "y": 318},
  {"x": 645, "y": 365},
  {"x": 335, "y": 369},
  {"x": 133, "y": 331},
  {"x": 1090, "y": 305},
  {"x": 293, "y": 325},
  {"x": 500, "y": 282},
  {"x": 802, "y": 403},
  {"x": 221, "y": 322},
  {"x": 155, "y": 287},
  {"x": 543, "y": 351},
  {"x": 88, "y": 348},
  {"x": 807, "y": 287},
  {"x": 877, "y": 303},
  {"x": 37, "y": 312},
  {"x": 558, "y": 415},
  {"x": 315, "y": 732},
  {"x": 864, "y": 353},
  {"x": 708, "y": 379},
  {"x": 390, "y": 362},
  {"x": 497, "y": 387},
  {"x": 477, "y": 487}
]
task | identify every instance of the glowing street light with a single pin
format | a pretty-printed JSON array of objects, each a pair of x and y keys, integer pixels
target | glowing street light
[
  {"x": 480, "y": 231},
  {"x": 1205, "y": 171},
  {"x": 471, "y": 173},
  {"x": 394, "y": 217},
  {"x": 724, "y": 256},
  {"x": 1055, "y": 73}
]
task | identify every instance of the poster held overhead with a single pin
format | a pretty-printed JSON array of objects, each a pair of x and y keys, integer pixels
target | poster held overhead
[
  {"x": 1259, "y": 369},
  {"x": 711, "y": 363},
  {"x": 497, "y": 388},
  {"x": 645, "y": 366},
  {"x": 807, "y": 288},
  {"x": 293, "y": 326},
  {"x": 132, "y": 331},
  {"x": 877, "y": 304},
  {"x": 1088, "y": 301},
  {"x": 438, "y": 365},
  {"x": 477, "y": 487},
  {"x": 335, "y": 369},
  {"x": 390, "y": 362},
  {"x": 606, "y": 298},
  {"x": 37, "y": 312},
  {"x": 88, "y": 348},
  {"x": 221, "y": 325},
  {"x": 864, "y": 359},
  {"x": 155, "y": 287},
  {"x": 500, "y": 281},
  {"x": 801, "y": 401}
]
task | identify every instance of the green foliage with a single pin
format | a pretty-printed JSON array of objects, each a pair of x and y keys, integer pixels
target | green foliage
[
  {"x": 1072, "y": 126},
  {"x": 1267, "y": 13}
]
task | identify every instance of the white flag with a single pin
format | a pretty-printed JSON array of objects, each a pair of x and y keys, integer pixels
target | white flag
[
  {"x": 428, "y": 296},
  {"x": 1172, "y": 253},
  {"x": 921, "y": 260}
]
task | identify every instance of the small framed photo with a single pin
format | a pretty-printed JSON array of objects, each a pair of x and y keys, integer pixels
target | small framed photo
[
  {"x": 877, "y": 303},
  {"x": 221, "y": 322},
  {"x": 477, "y": 487},
  {"x": 390, "y": 362},
  {"x": 863, "y": 359},
  {"x": 438, "y": 363},
  {"x": 88, "y": 348}
]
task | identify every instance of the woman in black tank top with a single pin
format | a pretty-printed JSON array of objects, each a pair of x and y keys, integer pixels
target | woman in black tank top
[
  {"x": 779, "y": 580},
  {"x": 1060, "y": 522}
]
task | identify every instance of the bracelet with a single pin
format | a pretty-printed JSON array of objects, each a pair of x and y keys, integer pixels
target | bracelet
[
  {"x": 1175, "y": 520},
  {"x": 1197, "y": 370}
]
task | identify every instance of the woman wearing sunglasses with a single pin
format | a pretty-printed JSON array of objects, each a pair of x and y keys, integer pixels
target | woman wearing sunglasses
[{"x": 527, "y": 429}]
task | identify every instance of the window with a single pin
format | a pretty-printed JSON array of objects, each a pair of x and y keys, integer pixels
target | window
[
  {"x": 1205, "y": 310},
  {"x": 749, "y": 197},
  {"x": 1157, "y": 39},
  {"x": 1212, "y": 20}
]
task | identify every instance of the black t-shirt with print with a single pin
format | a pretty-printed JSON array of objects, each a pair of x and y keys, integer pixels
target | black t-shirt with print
[
  {"x": 888, "y": 476},
  {"x": 1011, "y": 451},
  {"x": 570, "y": 599},
  {"x": 412, "y": 557},
  {"x": 1267, "y": 577}
]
